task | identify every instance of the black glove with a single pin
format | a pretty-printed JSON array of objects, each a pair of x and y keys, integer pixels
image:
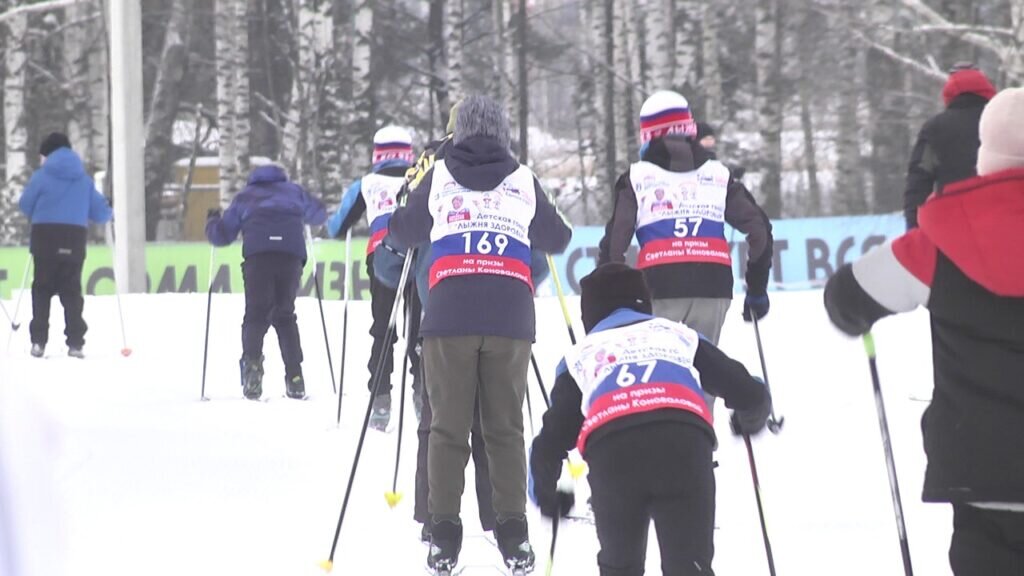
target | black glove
[
  {"x": 755, "y": 307},
  {"x": 556, "y": 504},
  {"x": 213, "y": 213},
  {"x": 750, "y": 422}
]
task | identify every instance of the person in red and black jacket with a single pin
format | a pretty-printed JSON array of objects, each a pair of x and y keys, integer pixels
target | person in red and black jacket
[
  {"x": 677, "y": 201},
  {"x": 947, "y": 145},
  {"x": 630, "y": 396},
  {"x": 964, "y": 264}
]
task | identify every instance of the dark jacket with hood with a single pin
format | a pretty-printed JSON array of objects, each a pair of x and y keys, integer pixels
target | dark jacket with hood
[
  {"x": 964, "y": 264},
  {"x": 60, "y": 200},
  {"x": 270, "y": 212},
  {"x": 696, "y": 279},
  {"x": 947, "y": 146},
  {"x": 481, "y": 304},
  {"x": 719, "y": 375}
]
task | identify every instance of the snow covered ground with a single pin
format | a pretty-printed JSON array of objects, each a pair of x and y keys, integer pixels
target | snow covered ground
[{"x": 114, "y": 467}]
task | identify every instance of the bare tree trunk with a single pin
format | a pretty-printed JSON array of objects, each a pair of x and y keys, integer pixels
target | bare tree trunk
[
  {"x": 687, "y": 35},
  {"x": 362, "y": 83},
  {"x": 605, "y": 37},
  {"x": 242, "y": 127},
  {"x": 163, "y": 111},
  {"x": 714, "y": 95},
  {"x": 85, "y": 68},
  {"x": 850, "y": 196},
  {"x": 438, "y": 69},
  {"x": 524, "y": 81},
  {"x": 226, "y": 36},
  {"x": 13, "y": 225},
  {"x": 659, "y": 59},
  {"x": 623, "y": 92},
  {"x": 889, "y": 131},
  {"x": 587, "y": 115},
  {"x": 805, "y": 54},
  {"x": 768, "y": 44},
  {"x": 1014, "y": 61},
  {"x": 454, "y": 48}
]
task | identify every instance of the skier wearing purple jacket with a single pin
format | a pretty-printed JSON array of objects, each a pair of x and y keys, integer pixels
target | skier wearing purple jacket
[{"x": 270, "y": 213}]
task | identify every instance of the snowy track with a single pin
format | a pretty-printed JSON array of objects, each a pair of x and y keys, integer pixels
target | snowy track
[{"x": 115, "y": 467}]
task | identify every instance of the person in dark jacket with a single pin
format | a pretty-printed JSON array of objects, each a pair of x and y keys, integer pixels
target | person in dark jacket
[
  {"x": 483, "y": 213},
  {"x": 271, "y": 214},
  {"x": 630, "y": 397},
  {"x": 963, "y": 264},
  {"x": 676, "y": 201},
  {"x": 60, "y": 200},
  {"x": 376, "y": 195},
  {"x": 947, "y": 146}
]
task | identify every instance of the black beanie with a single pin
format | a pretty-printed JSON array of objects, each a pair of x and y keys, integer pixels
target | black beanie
[
  {"x": 54, "y": 141},
  {"x": 610, "y": 287}
]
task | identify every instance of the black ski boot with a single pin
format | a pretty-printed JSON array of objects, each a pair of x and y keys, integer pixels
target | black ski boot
[
  {"x": 38, "y": 350},
  {"x": 252, "y": 377},
  {"x": 513, "y": 538},
  {"x": 445, "y": 545},
  {"x": 295, "y": 387},
  {"x": 76, "y": 353},
  {"x": 381, "y": 415}
]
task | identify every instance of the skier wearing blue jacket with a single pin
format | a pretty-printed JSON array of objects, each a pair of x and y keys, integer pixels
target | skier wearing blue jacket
[
  {"x": 270, "y": 213},
  {"x": 376, "y": 196},
  {"x": 60, "y": 200}
]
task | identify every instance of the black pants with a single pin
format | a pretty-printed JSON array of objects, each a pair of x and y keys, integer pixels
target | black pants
[
  {"x": 271, "y": 283},
  {"x": 660, "y": 471},
  {"x": 987, "y": 542},
  {"x": 382, "y": 300},
  {"x": 63, "y": 278},
  {"x": 481, "y": 466}
]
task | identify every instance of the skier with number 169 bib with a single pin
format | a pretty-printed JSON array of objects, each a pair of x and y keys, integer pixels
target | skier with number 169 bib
[{"x": 677, "y": 200}]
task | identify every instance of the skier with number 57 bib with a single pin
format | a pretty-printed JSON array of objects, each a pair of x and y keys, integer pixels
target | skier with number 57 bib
[{"x": 677, "y": 200}]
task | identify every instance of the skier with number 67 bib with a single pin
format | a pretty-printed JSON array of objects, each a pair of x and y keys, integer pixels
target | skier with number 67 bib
[
  {"x": 630, "y": 397},
  {"x": 677, "y": 200}
]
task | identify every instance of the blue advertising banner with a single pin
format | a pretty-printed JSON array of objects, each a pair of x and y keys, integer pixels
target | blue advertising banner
[{"x": 807, "y": 250}]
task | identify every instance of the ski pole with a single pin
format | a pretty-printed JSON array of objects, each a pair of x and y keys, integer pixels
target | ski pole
[
  {"x": 206, "y": 337},
  {"x": 760, "y": 505},
  {"x": 17, "y": 306},
  {"x": 344, "y": 321},
  {"x": 890, "y": 460},
  {"x": 320, "y": 302},
  {"x": 529, "y": 411},
  {"x": 125, "y": 350},
  {"x": 328, "y": 564},
  {"x": 774, "y": 424},
  {"x": 7, "y": 314},
  {"x": 561, "y": 298},
  {"x": 540, "y": 381},
  {"x": 393, "y": 497}
]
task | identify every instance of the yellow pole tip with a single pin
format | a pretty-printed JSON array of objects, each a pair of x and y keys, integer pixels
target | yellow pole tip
[
  {"x": 577, "y": 469},
  {"x": 393, "y": 498},
  {"x": 327, "y": 565}
]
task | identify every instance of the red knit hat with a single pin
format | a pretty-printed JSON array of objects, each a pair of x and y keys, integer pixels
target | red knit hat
[
  {"x": 967, "y": 81},
  {"x": 392, "y": 143},
  {"x": 665, "y": 113}
]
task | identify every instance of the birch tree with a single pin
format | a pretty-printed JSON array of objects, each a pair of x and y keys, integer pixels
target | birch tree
[
  {"x": 768, "y": 47},
  {"x": 889, "y": 132},
  {"x": 15, "y": 129},
  {"x": 85, "y": 71},
  {"x": 659, "y": 33},
  {"x": 362, "y": 82},
  {"x": 232, "y": 68},
  {"x": 714, "y": 95},
  {"x": 454, "y": 19},
  {"x": 850, "y": 193},
  {"x": 163, "y": 110},
  {"x": 687, "y": 36}
]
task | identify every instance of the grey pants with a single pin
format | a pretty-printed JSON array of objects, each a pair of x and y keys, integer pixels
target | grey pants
[
  {"x": 705, "y": 315},
  {"x": 458, "y": 371}
]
